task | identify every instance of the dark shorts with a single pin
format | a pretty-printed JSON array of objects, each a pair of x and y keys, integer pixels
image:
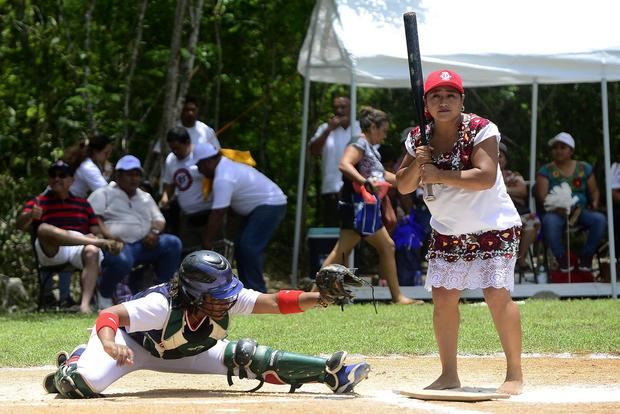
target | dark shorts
[{"x": 363, "y": 218}]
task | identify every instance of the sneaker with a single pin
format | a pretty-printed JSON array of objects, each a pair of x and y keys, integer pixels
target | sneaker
[
  {"x": 61, "y": 357},
  {"x": 565, "y": 265},
  {"x": 351, "y": 375},
  {"x": 48, "y": 384},
  {"x": 585, "y": 264}
]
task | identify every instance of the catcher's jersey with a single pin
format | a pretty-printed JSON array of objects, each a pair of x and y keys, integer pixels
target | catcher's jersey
[{"x": 164, "y": 331}]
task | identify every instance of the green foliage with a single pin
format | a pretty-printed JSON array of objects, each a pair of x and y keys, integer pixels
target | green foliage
[
  {"x": 62, "y": 77},
  {"x": 577, "y": 326}
]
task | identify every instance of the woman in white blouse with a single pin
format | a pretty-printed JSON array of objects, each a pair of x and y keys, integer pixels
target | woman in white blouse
[{"x": 88, "y": 159}]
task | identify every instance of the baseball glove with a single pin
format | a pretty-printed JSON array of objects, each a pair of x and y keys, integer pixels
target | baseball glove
[{"x": 332, "y": 282}]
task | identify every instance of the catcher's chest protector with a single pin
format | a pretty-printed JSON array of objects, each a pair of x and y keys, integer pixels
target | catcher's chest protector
[{"x": 178, "y": 340}]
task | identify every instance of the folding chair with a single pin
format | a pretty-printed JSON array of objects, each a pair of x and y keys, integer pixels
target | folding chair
[{"x": 45, "y": 278}]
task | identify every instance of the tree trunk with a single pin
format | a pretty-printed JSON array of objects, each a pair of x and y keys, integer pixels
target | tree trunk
[
  {"x": 172, "y": 79},
  {"x": 187, "y": 66},
  {"x": 132, "y": 67},
  {"x": 88, "y": 17},
  {"x": 218, "y": 10}
]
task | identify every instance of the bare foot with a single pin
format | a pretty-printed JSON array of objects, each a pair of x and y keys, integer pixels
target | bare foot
[
  {"x": 445, "y": 382},
  {"x": 404, "y": 300},
  {"x": 86, "y": 310},
  {"x": 512, "y": 387}
]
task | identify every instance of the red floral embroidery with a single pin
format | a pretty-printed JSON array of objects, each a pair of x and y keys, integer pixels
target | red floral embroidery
[
  {"x": 577, "y": 183},
  {"x": 441, "y": 242},
  {"x": 473, "y": 246},
  {"x": 489, "y": 241}
]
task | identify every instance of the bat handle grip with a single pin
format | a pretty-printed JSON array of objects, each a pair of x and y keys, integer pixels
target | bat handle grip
[{"x": 428, "y": 192}]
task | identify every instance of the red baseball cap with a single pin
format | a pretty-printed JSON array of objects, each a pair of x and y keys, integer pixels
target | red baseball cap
[{"x": 443, "y": 77}]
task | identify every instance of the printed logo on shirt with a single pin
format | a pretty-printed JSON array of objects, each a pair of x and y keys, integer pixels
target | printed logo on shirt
[{"x": 183, "y": 179}]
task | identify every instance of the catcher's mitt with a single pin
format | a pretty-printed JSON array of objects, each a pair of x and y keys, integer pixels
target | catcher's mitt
[{"x": 332, "y": 282}]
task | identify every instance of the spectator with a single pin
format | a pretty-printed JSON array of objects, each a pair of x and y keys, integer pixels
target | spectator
[
  {"x": 360, "y": 217},
  {"x": 88, "y": 159},
  {"x": 518, "y": 192},
  {"x": 131, "y": 215},
  {"x": 181, "y": 176},
  {"x": 329, "y": 142},
  {"x": 199, "y": 132},
  {"x": 615, "y": 194},
  {"x": 252, "y": 195},
  {"x": 66, "y": 229},
  {"x": 578, "y": 175}
]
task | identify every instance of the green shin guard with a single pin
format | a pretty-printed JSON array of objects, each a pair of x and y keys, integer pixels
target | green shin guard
[
  {"x": 279, "y": 367},
  {"x": 70, "y": 383}
]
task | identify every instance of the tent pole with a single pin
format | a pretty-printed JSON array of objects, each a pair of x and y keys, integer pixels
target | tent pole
[
  {"x": 533, "y": 133},
  {"x": 302, "y": 151},
  {"x": 300, "y": 182},
  {"x": 609, "y": 201}
]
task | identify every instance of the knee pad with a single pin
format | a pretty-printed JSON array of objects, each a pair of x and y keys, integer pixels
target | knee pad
[{"x": 70, "y": 383}]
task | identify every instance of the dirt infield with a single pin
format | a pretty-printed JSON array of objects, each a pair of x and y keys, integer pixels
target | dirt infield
[{"x": 554, "y": 384}]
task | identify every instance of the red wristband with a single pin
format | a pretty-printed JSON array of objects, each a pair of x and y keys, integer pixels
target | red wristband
[
  {"x": 108, "y": 319},
  {"x": 288, "y": 301}
]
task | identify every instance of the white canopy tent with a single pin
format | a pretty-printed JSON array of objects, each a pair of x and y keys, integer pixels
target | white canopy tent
[{"x": 488, "y": 42}]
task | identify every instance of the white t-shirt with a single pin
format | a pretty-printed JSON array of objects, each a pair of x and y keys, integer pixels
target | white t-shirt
[
  {"x": 200, "y": 133},
  {"x": 128, "y": 218},
  {"x": 188, "y": 182},
  {"x": 151, "y": 311},
  {"x": 615, "y": 176},
  {"x": 336, "y": 142},
  {"x": 459, "y": 211},
  {"x": 87, "y": 178},
  {"x": 243, "y": 188}
]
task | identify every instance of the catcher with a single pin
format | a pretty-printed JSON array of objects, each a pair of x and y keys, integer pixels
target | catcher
[{"x": 181, "y": 327}]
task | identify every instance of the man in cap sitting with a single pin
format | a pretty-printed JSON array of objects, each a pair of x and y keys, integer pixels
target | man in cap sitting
[
  {"x": 131, "y": 215},
  {"x": 65, "y": 229}
]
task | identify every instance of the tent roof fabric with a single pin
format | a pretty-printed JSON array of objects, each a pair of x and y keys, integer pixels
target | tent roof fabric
[{"x": 488, "y": 42}]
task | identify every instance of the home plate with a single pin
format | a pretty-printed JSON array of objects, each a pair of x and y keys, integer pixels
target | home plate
[{"x": 458, "y": 394}]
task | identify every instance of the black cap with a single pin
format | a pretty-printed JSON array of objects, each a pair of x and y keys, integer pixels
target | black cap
[{"x": 61, "y": 166}]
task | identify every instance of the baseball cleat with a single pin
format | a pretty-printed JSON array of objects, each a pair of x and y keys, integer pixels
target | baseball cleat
[
  {"x": 351, "y": 375},
  {"x": 48, "y": 384},
  {"x": 61, "y": 357}
]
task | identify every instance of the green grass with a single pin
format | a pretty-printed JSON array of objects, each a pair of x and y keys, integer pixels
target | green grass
[{"x": 575, "y": 326}]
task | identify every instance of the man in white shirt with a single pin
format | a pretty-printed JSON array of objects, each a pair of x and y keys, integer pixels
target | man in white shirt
[
  {"x": 199, "y": 132},
  {"x": 329, "y": 142},
  {"x": 252, "y": 195},
  {"x": 131, "y": 215},
  {"x": 181, "y": 178}
]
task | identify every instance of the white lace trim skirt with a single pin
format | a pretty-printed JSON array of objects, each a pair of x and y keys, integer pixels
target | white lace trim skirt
[{"x": 495, "y": 272}]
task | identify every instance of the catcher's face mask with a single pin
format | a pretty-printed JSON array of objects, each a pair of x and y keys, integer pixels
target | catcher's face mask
[{"x": 216, "y": 309}]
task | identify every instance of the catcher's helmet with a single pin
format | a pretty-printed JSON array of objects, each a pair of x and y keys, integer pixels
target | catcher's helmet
[{"x": 207, "y": 272}]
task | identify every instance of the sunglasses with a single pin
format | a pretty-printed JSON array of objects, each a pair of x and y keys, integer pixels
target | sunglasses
[{"x": 58, "y": 174}]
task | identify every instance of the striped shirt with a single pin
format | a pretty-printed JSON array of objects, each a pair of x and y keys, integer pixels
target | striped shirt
[{"x": 72, "y": 213}]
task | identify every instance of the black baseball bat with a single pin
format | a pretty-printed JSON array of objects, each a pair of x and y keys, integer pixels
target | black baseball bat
[{"x": 417, "y": 81}]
